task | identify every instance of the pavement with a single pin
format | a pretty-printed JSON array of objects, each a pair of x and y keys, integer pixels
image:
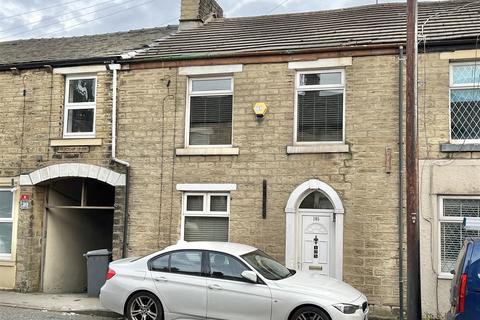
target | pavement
[{"x": 64, "y": 303}]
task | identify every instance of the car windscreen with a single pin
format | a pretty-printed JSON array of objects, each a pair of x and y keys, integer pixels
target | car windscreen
[{"x": 266, "y": 266}]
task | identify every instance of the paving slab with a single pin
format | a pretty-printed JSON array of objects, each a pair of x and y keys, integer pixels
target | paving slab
[{"x": 75, "y": 303}]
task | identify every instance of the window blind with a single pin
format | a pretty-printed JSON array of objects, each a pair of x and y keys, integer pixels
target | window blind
[
  {"x": 211, "y": 120},
  {"x": 206, "y": 229},
  {"x": 320, "y": 115}
]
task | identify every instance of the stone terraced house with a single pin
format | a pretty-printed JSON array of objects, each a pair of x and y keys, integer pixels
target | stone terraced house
[{"x": 279, "y": 131}]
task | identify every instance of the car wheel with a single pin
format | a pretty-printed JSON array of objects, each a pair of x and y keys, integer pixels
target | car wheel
[
  {"x": 309, "y": 313},
  {"x": 144, "y": 306}
]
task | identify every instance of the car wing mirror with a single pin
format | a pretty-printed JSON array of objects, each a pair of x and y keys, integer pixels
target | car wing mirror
[{"x": 250, "y": 276}]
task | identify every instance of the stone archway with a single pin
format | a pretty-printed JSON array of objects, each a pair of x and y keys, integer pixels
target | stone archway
[
  {"x": 291, "y": 224},
  {"x": 69, "y": 170},
  {"x": 82, "y": 206}
]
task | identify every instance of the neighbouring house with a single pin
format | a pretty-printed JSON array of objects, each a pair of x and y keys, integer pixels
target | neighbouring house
[
  {"x": 278, "y": 131},
  {"x": 56, "y": 103}
]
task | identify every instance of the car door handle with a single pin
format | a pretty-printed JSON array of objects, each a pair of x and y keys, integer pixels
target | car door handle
[
  {"x": 160, "y": 279},
  {"x": 215, "y": 287}
]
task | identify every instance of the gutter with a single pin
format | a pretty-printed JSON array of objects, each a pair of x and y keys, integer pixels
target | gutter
[
  {"x": 55, "y": 64},
  {"x": 115, "y": 68},
  {"x": 237, "y": 54},
  {"x": 433, "y": 45}
]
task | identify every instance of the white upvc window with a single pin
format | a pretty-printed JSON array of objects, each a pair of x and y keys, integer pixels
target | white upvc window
[
  {"x": 320, "y": 107},
  {"x": 6, "y": 223},
  {"x": 80, "y": 106},
  {"x": 205, "y": 216},
  {"x": 451, "y": 232},
  {"x": 465, "y": 102},
  {"x": 209, "y": 112}
]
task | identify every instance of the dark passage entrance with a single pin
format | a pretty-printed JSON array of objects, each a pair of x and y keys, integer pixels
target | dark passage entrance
[{"x": 79, "y": 218}]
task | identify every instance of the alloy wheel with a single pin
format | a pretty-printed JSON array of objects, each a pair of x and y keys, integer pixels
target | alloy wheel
[
  {"x": 144, "y": 308},
  {"x": 309, "y": 315}
]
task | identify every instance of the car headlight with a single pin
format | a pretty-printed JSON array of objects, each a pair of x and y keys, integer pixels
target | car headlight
[{"x": 346, "y": 308}]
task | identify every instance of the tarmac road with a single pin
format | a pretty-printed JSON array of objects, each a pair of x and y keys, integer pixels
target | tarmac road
[{"x": 8, "y": 313}]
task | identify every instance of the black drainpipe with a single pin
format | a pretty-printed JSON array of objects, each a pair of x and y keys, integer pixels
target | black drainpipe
[{"x": 400, "y": 183}]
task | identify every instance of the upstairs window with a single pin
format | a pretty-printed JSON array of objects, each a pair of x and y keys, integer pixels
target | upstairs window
[
  {"x": 320, "y": 100},
  {"x": 210, "y": 112},
  {"x": 6, "y": 223},
  {"x": 80, "y": 106},
  {"x": 465, "y": 102}
]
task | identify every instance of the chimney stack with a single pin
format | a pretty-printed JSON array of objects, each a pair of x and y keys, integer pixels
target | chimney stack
[{"x": 195, "y": 13}]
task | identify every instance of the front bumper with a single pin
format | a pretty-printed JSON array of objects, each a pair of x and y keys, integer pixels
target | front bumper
[{"x": 360, "y": 314}]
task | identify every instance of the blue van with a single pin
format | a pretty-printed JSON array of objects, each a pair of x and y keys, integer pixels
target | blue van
[{"x": 465, "y": 291}]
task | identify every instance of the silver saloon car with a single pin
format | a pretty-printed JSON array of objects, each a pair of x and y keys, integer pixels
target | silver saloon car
[{"x": 214, "y": 280}]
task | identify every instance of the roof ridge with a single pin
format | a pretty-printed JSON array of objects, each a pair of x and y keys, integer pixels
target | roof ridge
[{"x": 365, "y": 6}]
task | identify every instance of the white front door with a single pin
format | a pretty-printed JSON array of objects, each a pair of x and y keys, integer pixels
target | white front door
[{"x": 316, "y": 243}]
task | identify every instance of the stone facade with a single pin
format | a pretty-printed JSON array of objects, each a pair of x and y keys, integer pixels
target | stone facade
[
  {"x": 151, "y": 127},
  {"x": 32, "y": 104},
  {"x": 368, "y": 192}
]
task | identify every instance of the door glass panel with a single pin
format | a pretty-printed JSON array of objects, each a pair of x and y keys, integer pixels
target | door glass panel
[
  {"x": 6, "y": 199},
  {"x": 186, "y": 262},
  {"x": 161, "y": 263},
  {"x": 226, "y": 267},
  {"x": 316, "y": 200},
  {"x": 5, "y": 238}
]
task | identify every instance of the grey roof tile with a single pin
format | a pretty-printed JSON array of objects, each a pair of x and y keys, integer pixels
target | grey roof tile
[
  {"x": 78, "y": 48},
  {"x": 357, "y": 26}
]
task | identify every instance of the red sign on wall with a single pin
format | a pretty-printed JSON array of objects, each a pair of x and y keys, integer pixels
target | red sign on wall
[{"x": 24, "y": 197}]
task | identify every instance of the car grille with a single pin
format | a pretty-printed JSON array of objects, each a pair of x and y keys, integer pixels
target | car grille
[{"x": 364, "y": 306}]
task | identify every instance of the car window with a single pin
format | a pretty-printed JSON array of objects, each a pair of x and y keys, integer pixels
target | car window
[
  {"x": 267, "y": 266},
  {"x": 223, "y": 266},
  {"x": 186, "y": 262},
  {"x": 160, "y": 264}
]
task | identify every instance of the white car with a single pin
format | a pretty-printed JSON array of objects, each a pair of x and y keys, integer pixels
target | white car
[{"x": 215, "y": 280}]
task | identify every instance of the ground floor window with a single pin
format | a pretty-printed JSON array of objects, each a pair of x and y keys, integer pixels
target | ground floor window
[
  {"x": 452, "y": 233},
  {"x": 6, "y": 222},
  {"x": 205, "y": 216}
]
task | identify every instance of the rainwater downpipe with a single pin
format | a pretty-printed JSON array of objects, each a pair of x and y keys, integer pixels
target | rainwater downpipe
[
  {"x": 401, "y": 60},
  {"x": 115, "y": 68}
]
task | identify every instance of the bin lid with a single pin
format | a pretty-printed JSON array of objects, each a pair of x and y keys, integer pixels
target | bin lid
[{"x": 101, "y": 252}]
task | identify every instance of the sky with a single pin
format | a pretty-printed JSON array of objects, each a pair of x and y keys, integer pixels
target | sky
[{"x": 20, "y": 19}]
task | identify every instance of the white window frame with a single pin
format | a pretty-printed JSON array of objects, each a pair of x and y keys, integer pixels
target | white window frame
[
  {"x": 206, "y": 209},
  {"x": 79, "y": 105},
  {"x": 441, "y": 219},
  {"x": 8, "y": 256},
  {"x": 453, "y": 86},
  {"x": 336, "y": 87},
  {"x": 190, "y": 94}
]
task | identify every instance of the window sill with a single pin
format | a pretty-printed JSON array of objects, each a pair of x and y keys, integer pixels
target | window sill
[
  {"x": 319, "y": 148},
  {"x": 222, "y": 151},
  {"x": 75, "y": 142},
  {"x": 6, "y": 261},
  {"x": 459, "y": 147}
]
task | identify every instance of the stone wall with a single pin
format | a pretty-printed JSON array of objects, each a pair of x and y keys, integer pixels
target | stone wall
[
  {"x": 32, "y": 105},
  {"x": 369, "y": 194}
]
